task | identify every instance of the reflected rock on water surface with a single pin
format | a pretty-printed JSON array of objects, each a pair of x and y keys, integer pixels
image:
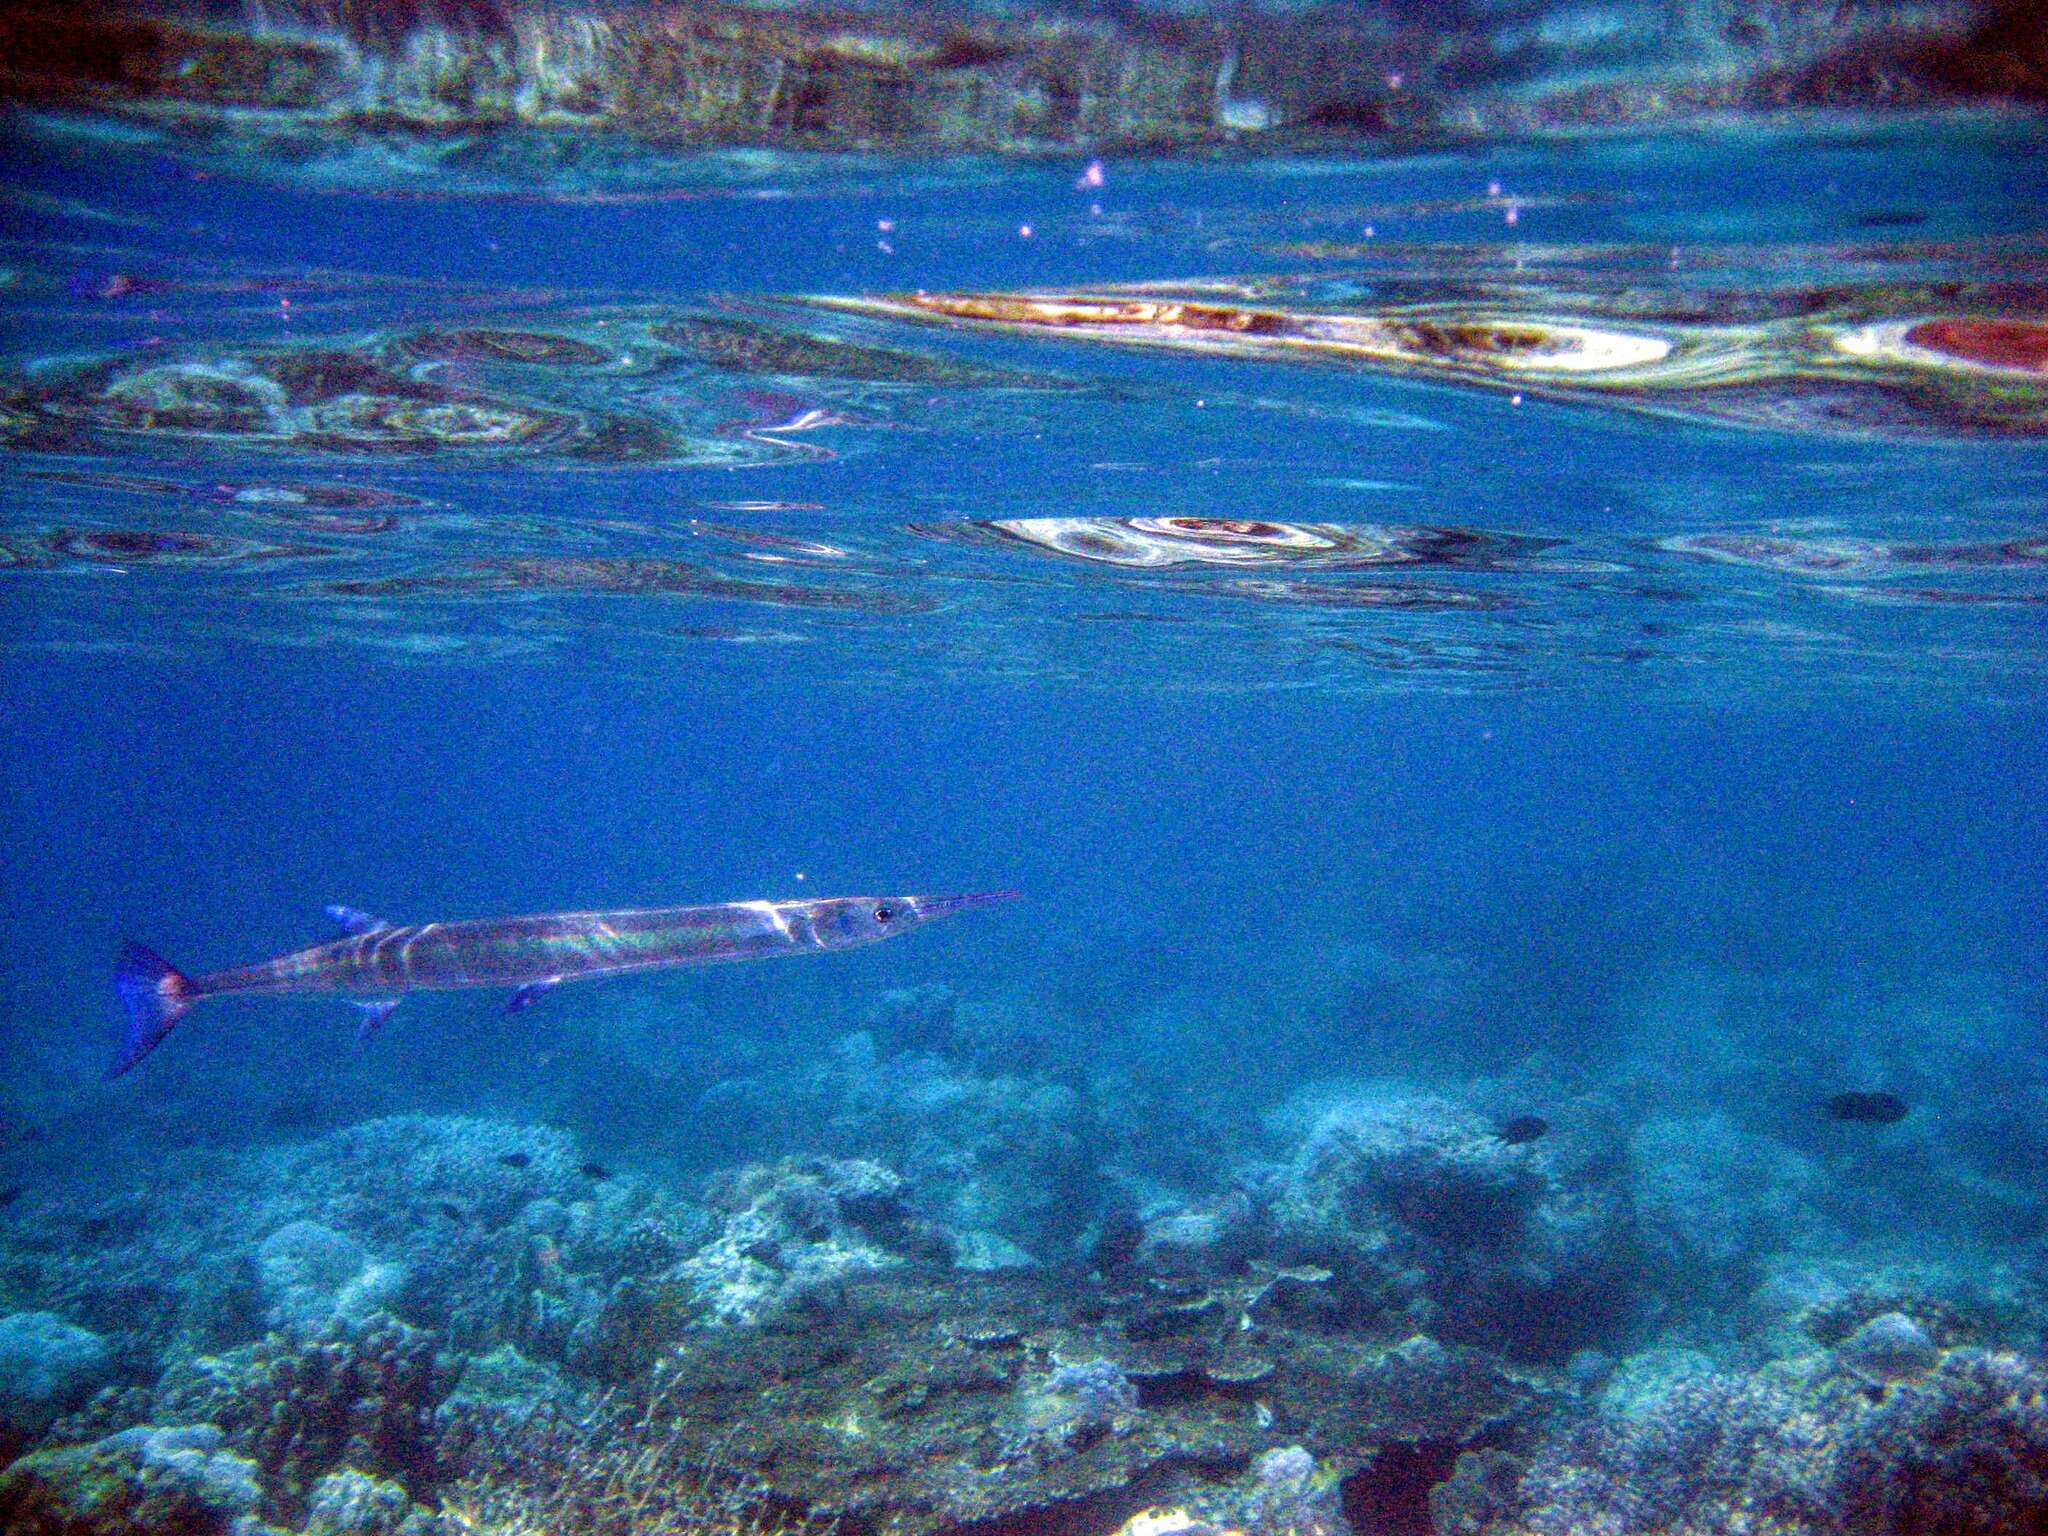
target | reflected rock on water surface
[
  {"x": 1364, "y": 595},
  {"x": 623, "y": 576},
  {"x": 1159, "y": 542},
  {"x": 463, "y": 392},
  {"x": 1853, "y": 557},
  {"x": 632, "y": 390},
  {"x": 544, "y": 93},
  {"x": 137, "y": 546},
  {"x": 530, "y": 348},
  {"x": 321, "y": 400},
  {"x": 752, "y": 347},
  {"x": 1954, "y": 374}
]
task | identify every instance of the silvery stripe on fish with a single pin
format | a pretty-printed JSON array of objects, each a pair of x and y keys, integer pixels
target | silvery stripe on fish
[{"x": 383, "y": 961}]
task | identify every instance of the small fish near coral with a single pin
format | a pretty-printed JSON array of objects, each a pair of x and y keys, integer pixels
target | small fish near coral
[{"x": 376, "y": 963}]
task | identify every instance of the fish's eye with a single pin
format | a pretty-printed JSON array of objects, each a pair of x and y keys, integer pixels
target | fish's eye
[{"x": 883, "y": 914}]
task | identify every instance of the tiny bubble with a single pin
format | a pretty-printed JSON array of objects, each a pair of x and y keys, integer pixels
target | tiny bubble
[
  {"x": 1024, "y": 231},
  {"x": 1514, "y": 400}
]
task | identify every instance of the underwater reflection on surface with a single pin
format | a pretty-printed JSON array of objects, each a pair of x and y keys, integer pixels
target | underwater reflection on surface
[{"x": 637, "y": 392}]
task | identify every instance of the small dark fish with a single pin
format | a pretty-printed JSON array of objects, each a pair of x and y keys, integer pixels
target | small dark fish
[
  {"x": 514, "y": 1159},
  {"x": 595, "y": 1171},
  {"x": 1523, "y": 1129},
  {"x": 1868, "y": 1108},
  {"x": 10, "y": 1194},
  {"x": 451, "y": 1210}
]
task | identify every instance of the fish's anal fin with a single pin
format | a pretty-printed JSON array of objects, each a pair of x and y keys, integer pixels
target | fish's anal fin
[
  {"x": 353, "y": 921},
  {"x": 530, "y": 994},
  {"x": 375, "y": 1015}
]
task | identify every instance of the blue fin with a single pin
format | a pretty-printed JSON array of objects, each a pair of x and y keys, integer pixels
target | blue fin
[
  {"x": 530, "y": 994},
  {"x": 354, "y": 921},
  {"x": 374, "y": 1016},
  {"x": 154, "y": 996}
]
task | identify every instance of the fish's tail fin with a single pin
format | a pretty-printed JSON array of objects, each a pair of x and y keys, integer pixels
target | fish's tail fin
[{"x": 154, "y": 995}]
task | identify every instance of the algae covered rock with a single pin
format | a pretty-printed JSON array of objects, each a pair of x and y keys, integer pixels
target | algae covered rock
[
  {"x": 312, "y": 1275},
  {"x": 1076, "y": 1404},
  {"x": 1713, "y": 1199},
  {"x": 1427, "y": 1216},
  {"x": 1285, "y": 1492},
  {"x": 352, "y": 1503},
  {"x": 1890, "y": 1347},
  {"x": 47, "y": 1366},
  {"x": 141, "y": 1482},
  {"x": 1291, "y": 1494},
  {"x": 796, "y": 1232}
]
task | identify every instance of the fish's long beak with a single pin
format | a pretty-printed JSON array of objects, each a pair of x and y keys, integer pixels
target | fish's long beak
[{"x": 946, "y": 906}]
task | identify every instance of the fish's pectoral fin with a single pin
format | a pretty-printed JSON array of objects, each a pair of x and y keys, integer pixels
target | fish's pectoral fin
[
  {"x": 374, "y": 1016},
  {"x": 354, "y": 921},
  {"x": 530, "y": 994}
]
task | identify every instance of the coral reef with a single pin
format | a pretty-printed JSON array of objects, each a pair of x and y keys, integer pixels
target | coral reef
[
  {"x": 931, "y": 1398},
  {"x": 615, "y": 1470},
  {"x": 364, "y": 1402},
  {"x": 1808, "y": 1445},
  {"x": 1502, "y": 1306},
  {"x": 482, "y": 1231},
  {"x": 1007, "y": 1159}
]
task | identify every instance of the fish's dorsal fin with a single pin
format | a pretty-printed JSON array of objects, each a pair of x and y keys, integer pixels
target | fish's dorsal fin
[{"x": 353, "y": 921}]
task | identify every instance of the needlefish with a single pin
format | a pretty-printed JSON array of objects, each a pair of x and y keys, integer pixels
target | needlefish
[{"x": 374, "y": 964}]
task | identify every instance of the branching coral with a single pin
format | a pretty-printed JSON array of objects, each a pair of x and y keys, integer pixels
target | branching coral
[{"x": 618, "y": 1470}]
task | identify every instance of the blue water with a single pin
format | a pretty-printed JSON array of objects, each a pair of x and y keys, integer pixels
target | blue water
[{"x": 1714, "y": 840}]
